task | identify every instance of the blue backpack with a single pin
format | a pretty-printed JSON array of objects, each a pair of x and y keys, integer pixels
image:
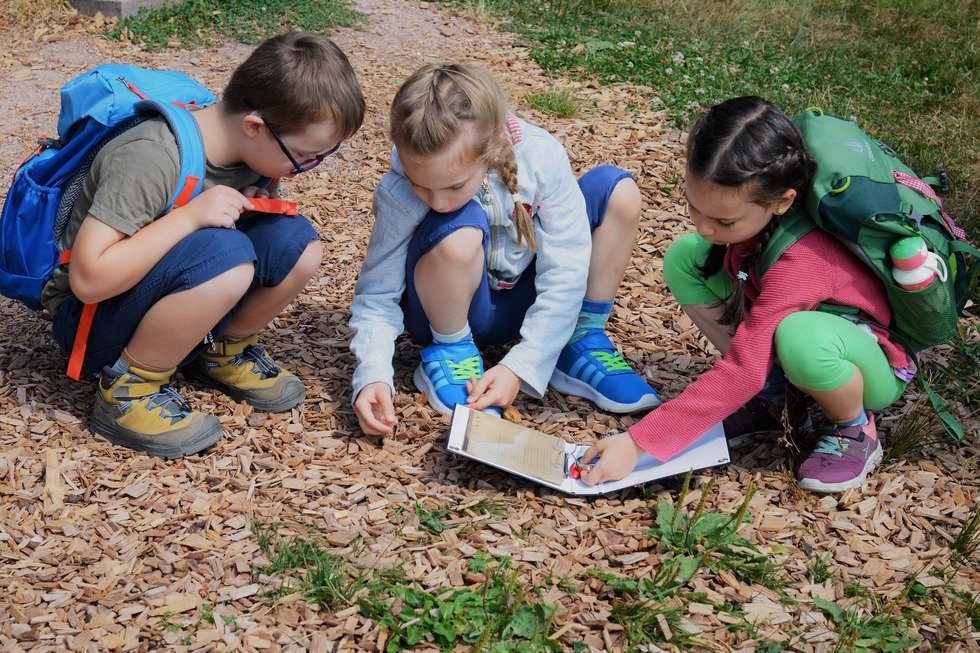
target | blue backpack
[{"x": 95, "y": 107}]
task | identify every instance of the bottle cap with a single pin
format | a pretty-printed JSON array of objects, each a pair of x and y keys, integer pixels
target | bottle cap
[{"x": 908, "y": 253}]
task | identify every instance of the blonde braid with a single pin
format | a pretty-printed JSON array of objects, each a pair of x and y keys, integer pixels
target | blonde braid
[{"x": 507, "y": 166}]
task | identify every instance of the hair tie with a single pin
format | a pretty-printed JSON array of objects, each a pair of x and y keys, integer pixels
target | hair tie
[
  {"x": 516, "y": 197},
  {"x": 742, "y": 275}
]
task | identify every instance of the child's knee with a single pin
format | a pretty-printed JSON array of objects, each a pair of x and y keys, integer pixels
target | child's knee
[
  {"x": 311, "y": 259},
  {"x": 625, "y": 203},
  {"x": 236, "y": 281},
  {"x": 459, "y": 249},
  {"x": 794, "y": 336}
]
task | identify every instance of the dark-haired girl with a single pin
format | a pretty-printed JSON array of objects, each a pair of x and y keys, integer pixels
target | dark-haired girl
[{"x": 747, "y": 165}]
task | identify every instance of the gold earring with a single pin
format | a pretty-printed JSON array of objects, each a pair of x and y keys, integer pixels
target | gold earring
[{"x": 779, "y": 211}]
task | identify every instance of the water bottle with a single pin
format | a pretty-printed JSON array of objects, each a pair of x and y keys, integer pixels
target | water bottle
[{"x": 914, "y": 267}]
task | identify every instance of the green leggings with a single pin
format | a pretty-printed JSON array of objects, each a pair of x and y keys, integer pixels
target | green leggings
[{"x": 817, "y": 351}]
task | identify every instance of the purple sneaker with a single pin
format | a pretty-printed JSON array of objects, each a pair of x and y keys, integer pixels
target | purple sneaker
[{"x": 841, "y": 459}]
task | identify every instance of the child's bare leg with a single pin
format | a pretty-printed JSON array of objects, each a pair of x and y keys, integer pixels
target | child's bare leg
[
  {"x": 843, "y": 404},
  {"x": 241, "y": 368},
  {"x": 590, "y": 366},
  {"x": 178, "y": 322},
  {"x": 447, "y": 277},
  {"x": 612, "y": 242},
  {"x": 707, "y": 317},
  {"x": 265, "y": 303}
]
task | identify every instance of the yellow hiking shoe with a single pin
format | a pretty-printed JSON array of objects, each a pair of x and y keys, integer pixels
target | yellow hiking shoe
[
  {"x": 244, "y": 371},
  {"x": 139, "y": 410}
]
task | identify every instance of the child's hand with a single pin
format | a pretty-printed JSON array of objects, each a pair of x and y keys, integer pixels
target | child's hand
[
  {"x": 374, "y": 410},
  {"x": 618, "y": 456},
  {"x": 255, "y": 191},
  {"x": 218, "y": 206},
  {"x": 498, "y": 387}
]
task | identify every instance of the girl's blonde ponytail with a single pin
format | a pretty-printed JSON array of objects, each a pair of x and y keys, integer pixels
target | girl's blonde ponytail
[{"x": 507, "y": 166}]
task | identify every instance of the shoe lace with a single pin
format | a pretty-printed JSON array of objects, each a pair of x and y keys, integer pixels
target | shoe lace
[
  {"x": 256, "y": 355},
  {"x": 465, "y": 369},
  {"x": 832, "y": 444},
  {"x": 612, "y": 361},
  {"x": 170, "y": 403}
]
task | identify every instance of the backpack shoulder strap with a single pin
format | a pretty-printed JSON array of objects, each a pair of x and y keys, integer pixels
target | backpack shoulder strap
[
  {"x": 793, "y": 226},
  {"x": 190, "y": 144}
]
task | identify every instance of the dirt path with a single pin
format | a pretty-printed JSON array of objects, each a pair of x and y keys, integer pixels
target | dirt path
[{"x": 100, "y": 548}]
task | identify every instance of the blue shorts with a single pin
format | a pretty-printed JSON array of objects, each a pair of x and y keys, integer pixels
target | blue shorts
[
  {"x": 495, "y": 316},
  {"x": 273, "y": 242}
]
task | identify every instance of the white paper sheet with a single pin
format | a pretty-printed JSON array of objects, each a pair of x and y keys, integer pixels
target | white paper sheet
[{"x": 545, "y": 458}]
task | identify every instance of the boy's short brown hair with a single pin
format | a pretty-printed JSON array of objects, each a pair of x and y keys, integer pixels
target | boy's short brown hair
[{"x": 297, "y": 79}]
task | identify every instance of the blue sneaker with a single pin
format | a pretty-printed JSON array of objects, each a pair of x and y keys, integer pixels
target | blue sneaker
[
  {"x": 591, "y": 367},
  {"x": 444, "y": 371}
]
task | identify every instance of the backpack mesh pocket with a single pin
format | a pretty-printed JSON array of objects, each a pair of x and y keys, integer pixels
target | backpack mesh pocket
[{"x": 924, "y": 317}]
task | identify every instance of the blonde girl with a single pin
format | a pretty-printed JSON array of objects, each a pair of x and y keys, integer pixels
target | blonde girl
[{"x": 483, "y": 236}]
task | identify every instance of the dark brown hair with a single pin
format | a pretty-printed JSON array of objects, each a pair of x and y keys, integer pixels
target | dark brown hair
[
  {"x": 748, "y": 143},
  {"x": 297, "y": 79}
]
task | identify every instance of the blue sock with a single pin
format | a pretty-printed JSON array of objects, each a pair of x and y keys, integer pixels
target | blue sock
[
  {"x": 592, "y": 316},
  {"x": 121, "y": 366},
  {"x": 860, "y": 420},
  {"x": 452, "y": 338}
]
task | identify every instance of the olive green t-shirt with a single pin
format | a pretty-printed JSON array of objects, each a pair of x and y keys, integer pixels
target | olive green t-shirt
[{"x": 131, "y": 180}]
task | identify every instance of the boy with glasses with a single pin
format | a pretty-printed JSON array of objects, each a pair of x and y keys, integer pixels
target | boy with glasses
[{"x": 193, "y": 288}]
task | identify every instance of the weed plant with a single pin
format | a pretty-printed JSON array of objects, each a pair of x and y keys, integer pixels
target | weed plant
[
  {"x": 873, "y": 630},
  {"x": 305, "y": 564},
  {"x": 499, "y": 616}
]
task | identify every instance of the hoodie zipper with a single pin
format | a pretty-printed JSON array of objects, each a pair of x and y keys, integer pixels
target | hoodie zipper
[{"x": 489, "y": 200}]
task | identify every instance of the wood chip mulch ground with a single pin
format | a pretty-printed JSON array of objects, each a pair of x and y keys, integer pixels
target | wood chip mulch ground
[{"x": 101, "y": 548}]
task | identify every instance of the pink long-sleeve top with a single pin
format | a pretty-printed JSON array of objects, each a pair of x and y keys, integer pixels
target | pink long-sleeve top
[{"x": 817, "y": 268}]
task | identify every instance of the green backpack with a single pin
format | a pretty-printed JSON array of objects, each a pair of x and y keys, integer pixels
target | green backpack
[{"x": 868, "y": 199}]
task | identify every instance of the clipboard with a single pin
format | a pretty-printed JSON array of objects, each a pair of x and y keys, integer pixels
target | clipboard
[{"x": 547, "y": 459}]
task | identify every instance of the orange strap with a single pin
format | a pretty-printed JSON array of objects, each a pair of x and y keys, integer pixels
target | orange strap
[
  {"x": 81, "y": 341},
  {"x": 190, "y": 183}
]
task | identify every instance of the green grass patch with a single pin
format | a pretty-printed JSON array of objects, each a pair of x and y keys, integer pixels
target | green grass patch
[
  {"x": 561, "y": 103},
  {"x": 303, "y": 563},
  {"x": 651, "y": 610},
  {"x": 712, "y": 538},
  {"x": 876, "y": 630},
  {"x": 194, "y": 23},
  {"x": 501, "y": 615},
  {"x": 904, "y": 71}
]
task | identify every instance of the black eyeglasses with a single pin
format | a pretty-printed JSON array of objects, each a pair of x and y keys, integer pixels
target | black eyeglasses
[{"x": 297, "y": 168}]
